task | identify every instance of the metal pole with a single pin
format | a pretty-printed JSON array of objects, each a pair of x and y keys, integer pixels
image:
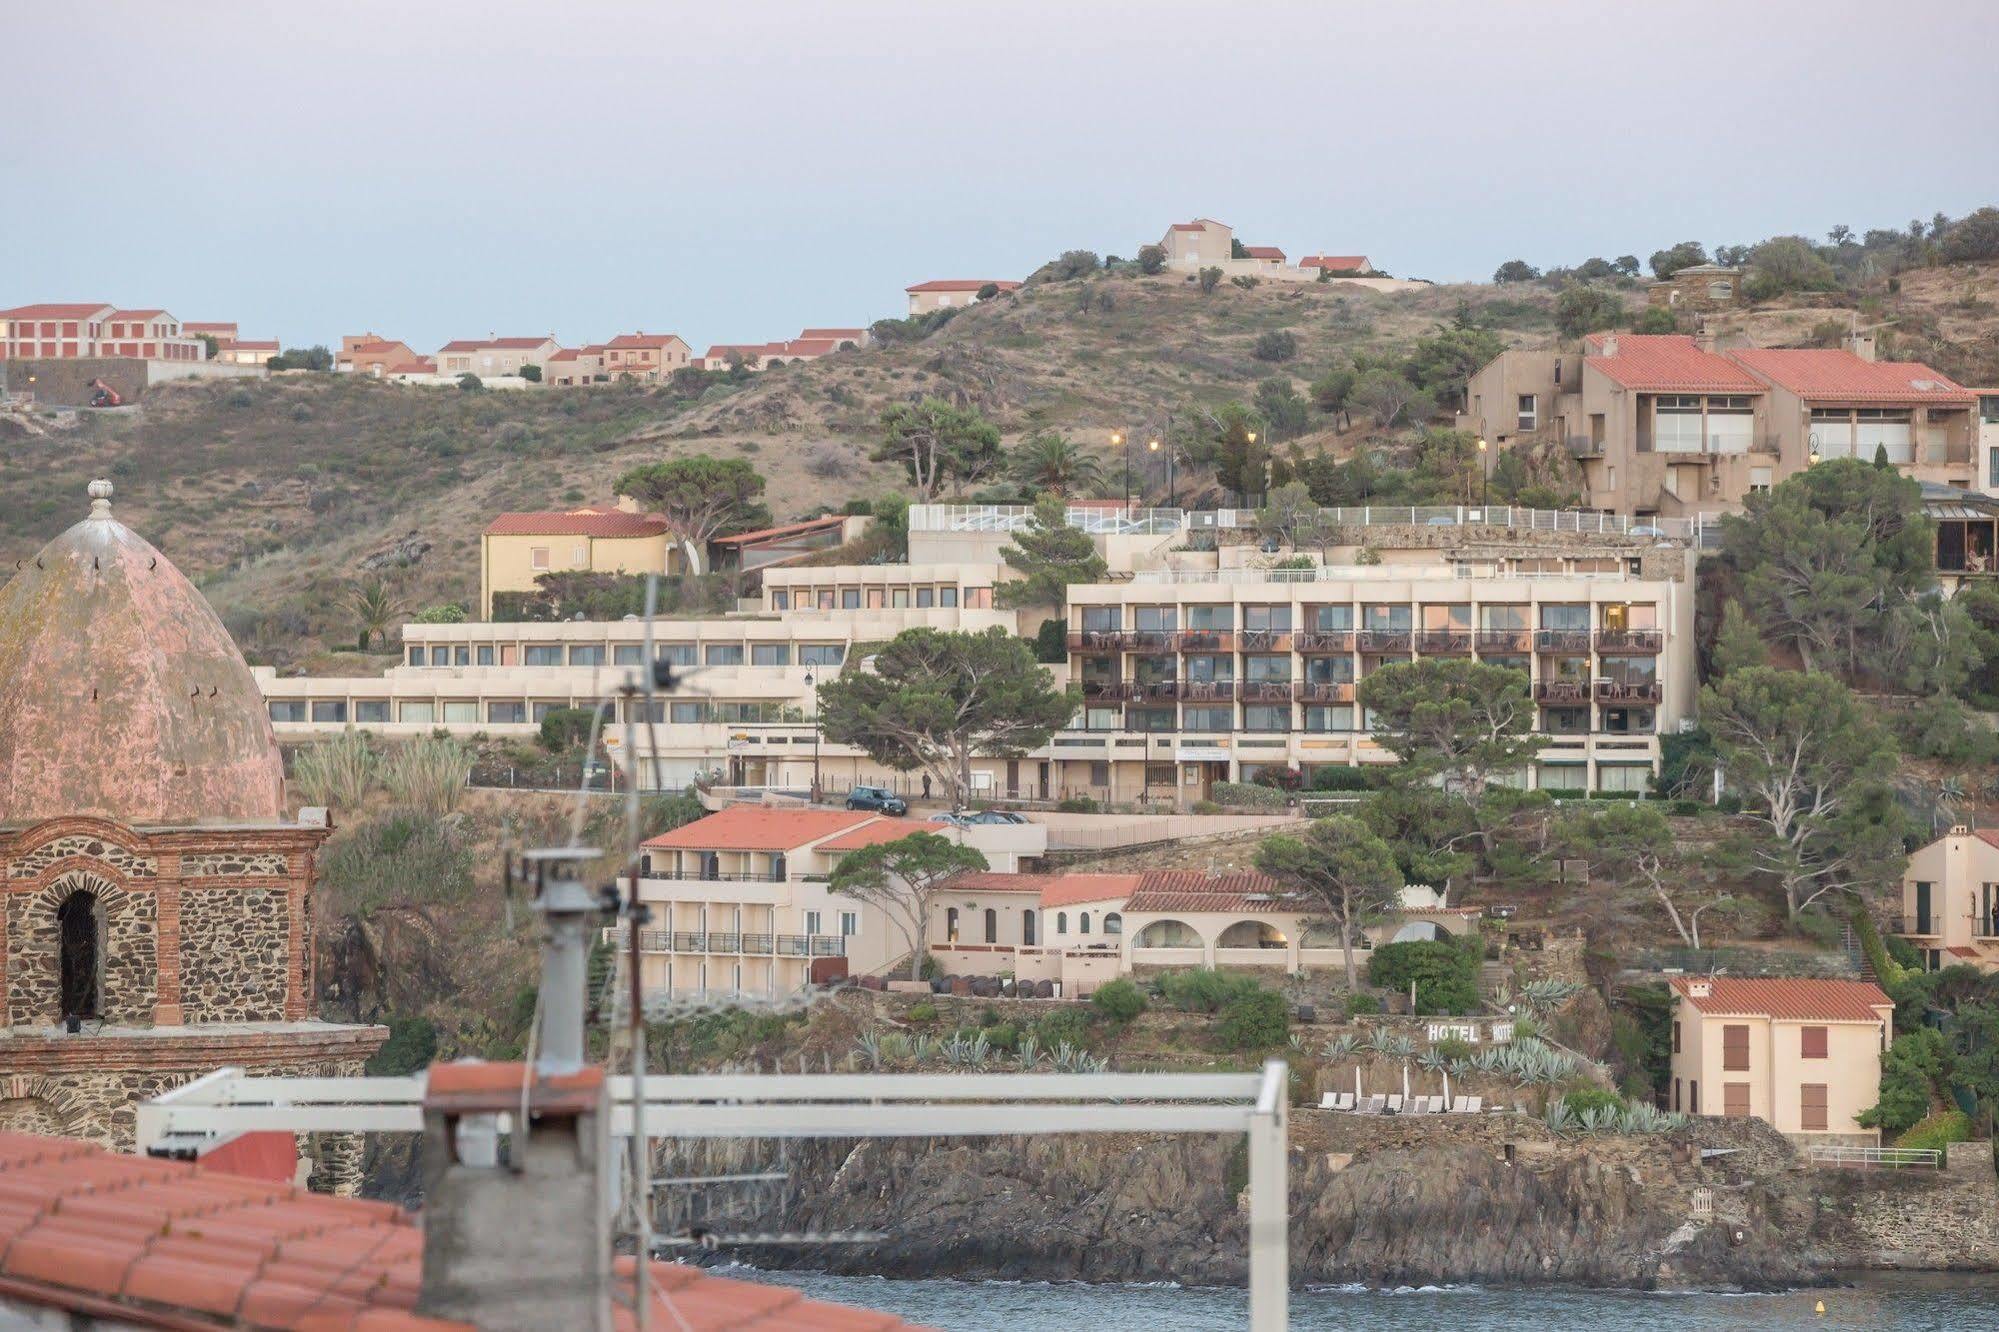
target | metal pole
[
  {"x": 1269, "y": 1205},
  {"x": 635, "y": 918}
]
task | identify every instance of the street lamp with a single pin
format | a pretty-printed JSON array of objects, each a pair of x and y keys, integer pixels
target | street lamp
[
  {"x": 815, "y": 738},
  {"x": 1813, "y": 458},
  {"x": 1484, "y": 472},
  {"x": 1121, "y": 440},
  {"x": 1172, "y": 489}
]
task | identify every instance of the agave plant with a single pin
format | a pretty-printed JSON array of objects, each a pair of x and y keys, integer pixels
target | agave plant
[
  {"x": 895, "y": 1046},
  {"x": 869, "y": 1047},
  {"x": 1378, "y": 1039},
  {"x": 1558, "y": 1117},
  {"x": 1399, "y": 1047},
  {"x": 1599, "y": 1119},
  {"x": 1432, "y": 1061},
  {"x": 920, "y": 1048},
  {"x": 1027, "y": 1050},
  {"x": 1341, "y": 1046},
  {"x": 1544, "y": 996}
]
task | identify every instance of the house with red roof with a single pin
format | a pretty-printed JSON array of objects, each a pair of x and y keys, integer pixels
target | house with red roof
[
  {"x": 493, "y": 357},
  {"x": 1802, "y": 1054},
  {"x": 645, "y": 356},
  {"x": 93, "y": 330},
  {"x": 1202, "y": 243},
  {"x": 1950, "y": 900},
  {"x": 516, "y": 549},
  {"x": 1841, "y": 402},
  {"x": 741, "y": 902},
  {"x": 371, "y": 354},
  {"x": 1351, "y": 265},
  {"x": 248, "y": 351},
  {"x": 941, "y": 293}
]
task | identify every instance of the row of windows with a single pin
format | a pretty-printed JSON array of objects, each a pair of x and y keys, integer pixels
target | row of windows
[
  {"x": 1334, "y": 718},
  {"x": 504, "y": 712},
  {"x": 1392, "y": 618},
  {"x": 1812, "y": 1115},
  {"x": 1568, "y": 778},
  {"x": 875, "y": 598},
  {"x": 625, "y": 654},
  {"x": 1113, "y": 924},
  {"x": 1735, "y": 1045},
  {"x": 1275, "y": 668}
]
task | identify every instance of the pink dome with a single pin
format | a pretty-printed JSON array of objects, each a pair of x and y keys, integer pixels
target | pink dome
[{"x": 121, "y": 694}]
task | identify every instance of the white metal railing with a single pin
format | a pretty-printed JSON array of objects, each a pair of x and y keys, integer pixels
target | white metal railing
[
  {"x": 1891, "y": 1158},
  {"x": 1361, "y": 573},
  {"x": 1014, "y": 517}
]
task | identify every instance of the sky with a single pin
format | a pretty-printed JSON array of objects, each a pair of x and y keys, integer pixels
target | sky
[{"x": 738, "y": 171}]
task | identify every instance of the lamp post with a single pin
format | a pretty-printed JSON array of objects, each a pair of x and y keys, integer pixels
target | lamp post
[
  {"x": 1153, "y": 445},
  {"x": 1249, "y": 437},
  {"x": 1122, "y": 440},
  {"x": 1484, "y": 472},
  {"x": 815, "y": 738}
]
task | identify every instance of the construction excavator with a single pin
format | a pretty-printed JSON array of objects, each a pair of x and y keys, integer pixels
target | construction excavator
[{"x": 103, "y": 395}]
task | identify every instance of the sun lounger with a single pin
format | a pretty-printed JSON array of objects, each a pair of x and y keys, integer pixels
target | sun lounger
[
  {"x": 1344, "y": 1101},
  {"x": 1462, "y": 1105},
  {"x": 1474, "y": 1105},
  {"x": 1394, "y": 1105},
  {"x": 1371, "y": 1105},
  {"x": 1436, "y": 1106}
]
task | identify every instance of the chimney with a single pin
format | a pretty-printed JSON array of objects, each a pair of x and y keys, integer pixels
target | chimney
[
  {"x": 520, "y": 1241},
  {"x": 1960, "y": 830},
  {"x": 1861, "y": 345},
  {"x": 1699, "y": 989},
  {"x": 1703, "y": 336},
  {"x": 1610, "y": 345}
]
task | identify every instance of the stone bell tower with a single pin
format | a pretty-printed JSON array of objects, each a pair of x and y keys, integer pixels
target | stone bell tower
[{"x": 155, "y": 897}]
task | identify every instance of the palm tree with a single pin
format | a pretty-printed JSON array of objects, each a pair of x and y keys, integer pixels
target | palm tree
[
  {"x": 1047, "y": 461},
  {"x": 376, "y": 607}
]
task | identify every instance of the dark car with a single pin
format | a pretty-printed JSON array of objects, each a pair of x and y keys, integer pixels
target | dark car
[{"x": 873, "y": 797}]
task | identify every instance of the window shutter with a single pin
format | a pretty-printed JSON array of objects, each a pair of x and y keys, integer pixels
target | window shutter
[
  {"x": 1735, "y": 1049},
  {"x": 1813, "y": 1042},
  {"x": 1735, "y": 1099},
  {"x": 1811, "y": 1106}
]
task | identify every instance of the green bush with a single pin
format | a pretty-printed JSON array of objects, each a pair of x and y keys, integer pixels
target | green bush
[
  {"x": 1592, "y": 1098},
  {"x": 1119, "y": 1000},
  {"x": 1254, "y": 1020},
  {"x": 1051, "y": 642},
  {"x": 1203, "y": 989},
  {"x": 1910, "y": 1072},
  {"x": 1076, "y": 805},
  {"x": 1454, "y": 1047},
  {"x": 412, "y": 1044},
  {"x": 1341, "y": 777},
  {"x": 1275, "y": 345},
  {"x": 1902, "y": 953},
  {"x": 1064, "y": 1024},
  {"x": 1209, "y": 807},
  {"x": 925, "y": 1012},
  {"x": 1444, "y": 972},
  {"x": 1004, "y": 1036},
  {"x": 1938, "y": 1131},
  {"x": 564, "y": 728},
  {"x": 1686, "y": 809},
  {"x": 1360, "y": 1005},
  {"x": 1248, "y": 795}
]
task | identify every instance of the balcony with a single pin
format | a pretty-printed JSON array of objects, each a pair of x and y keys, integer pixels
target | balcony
[
  {"x": 1923, "y": 927},
  {"x": 1149, "y": 640},
  {"x": 725, "y": 943},
  {"x": 1444, "y": 642},
  {"x": 811, "y": 945},
  {"x": 1561, "y": 691},
  {"x": 1324, "y": 641},
  {"x": 1561, "y": 640},
  {"x": 1502, "y": 640},
  {"x": 1331, "y": 692},
  {"x": 1629, "y": 640},
  {"x": 699, "y": 875},
  {"x": 1205, "y": 640},
  {"x": 1207, "y": 691},
  {"x": 1161, "y": 691},
  {"x": 1264, "y": 640},
  {"x": 1266, "y": 691},
  {"x": 1627, "y": 691},
  {"x": 1098, "y": 640},
  {"x": 1583, "y": 446},
  {"x": 1116, "y": 691},
  {"x": 1385, "y": 641}
]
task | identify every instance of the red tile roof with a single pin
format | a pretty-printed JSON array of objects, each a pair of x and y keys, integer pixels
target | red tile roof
[
  {"x": 789, "y": 529},
  {"x": 761, "y": 828},
  {"x": 53, "y": 311},
  {"x": 252, "y": 344},
  {"x": 1338, "y": 263},
  {"x": 382, "y": 346},
  {"x": 413, "y": 368},
  {"x": 963, "y": 284},
  {"x": 1262, "y": 252},
  {"x": 206, "y": 326},
  {"x": 566, "y": 354},
  {"x": 837, "y": 334},
  {"x": 497, "y": 344},
  {"x": 625, "y": 340},
  {"x": 584, "y": 522},
  {"x": 810, "y": 347},
  {"x": 1818, "y": 374},
  {"x": 1787, "y": 1000},
  {"x": 1053, "y": 890},
  {"x": 1192, "y": 890},
  {"x": 1665, "y": 363},
  {"x": 879, "y": 831},
  {"x": 131, "y": 1240}
]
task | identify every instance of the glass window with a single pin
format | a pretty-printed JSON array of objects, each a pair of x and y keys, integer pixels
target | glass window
[
  {"x": 1156, "y": 619},
  {"x": 1624, "y": 777},
  {"x": 423, "y": 713},
  {"x": 1211, "y": 670},
  {"x": 1149, "y": 719},
  {"x": 1216, "y": 618},
  {"x": 898, "y": 598},
  {"x": 485, "y": 651},
  {"x": 1102, "y": 719},
  {"x": 416, "y": 655},
  {"x": 1329, "y": 670},
  {"x": 689, "y": 713},
  {"x": 825, "y": 598},
  {"x": 1273, "y": 666},
  {"x": 627, "y": 654},
  {"x": 371, "y": 710},
  {"x": 1329, "y": 619},
  {"x": 1529, "y": 417},
  {"x": 440, "y": 656},
  {"x": 287, "y": 710},
  {"x": 1564, "y": 777},
  {"x": 538, "y": 712},
  {"x": 1100, "y": 773},
  {"x": 541, "y": 655},
  {"x": 724, "y": 654},
  {"x": 770, "y": 654},
  {"x": 1329, "y": 718},
  {"x": 462, "y": 711},
  {"x": 461, "y": 654},
  {"x": 850, "y": 598},
  {"x": 1277, "y": 619},
  {"x": 586, "y": 654},
  {"x": 821, "y": 654},
  {"x": 780, "y": 600},
  {"x": 1261, "y": 717},
  {"x": 1502, "y": 619},
  {"x": 947, "y": 596},
  {"x": 501, "y": 714},
  {"x": 1207, "y": 719},
  {"x": 1565, "y": 721},
  {"x": 1386, "y": 619},
  {"x": 680, "y": 654},
  {"x": 925, "y": 597},
  {"x": 1102, "y": 619},
  {"x": 1565, "y": 617},
  {"x": 1447, "y": 618},
  {"x": 1153, "y": 670},
  {"x": 329, "y": 711}
]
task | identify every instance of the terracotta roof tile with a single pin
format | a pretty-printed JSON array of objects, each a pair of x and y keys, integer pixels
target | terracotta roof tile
[
  {"x": 54, "y": 311},
  {"x": 760, "y": 828},
  {"x": 584, "y": 523},
  {"x": 1338, "y": 263},
  {"x": 1786, "y": 1000},
  {"x": 1262, "y": 252},
  {"x": 879, "y": 831},
  {"x": 645, "y": 340},
  {"x": 1665, "y": 363},
  {"x": 1192, "y": 890},
  {"x": 788, "y": 529},
  {"x": 963, "y": 284},
  {"x": 1818, "y": 374}
]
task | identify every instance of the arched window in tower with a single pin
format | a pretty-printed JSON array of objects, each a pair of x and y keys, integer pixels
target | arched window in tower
[
  {"x": 76, "y": 952},
  {"x": 992, "y": 925}
]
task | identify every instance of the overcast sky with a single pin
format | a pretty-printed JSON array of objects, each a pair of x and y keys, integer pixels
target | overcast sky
[{"x": 737, "y": 171}]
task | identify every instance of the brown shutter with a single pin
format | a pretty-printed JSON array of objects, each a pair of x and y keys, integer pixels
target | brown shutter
[
  {"x": 1735, "y": 1049},
  {"x": 1813, "y": 1042},
  {"x": 1811, "y": 1105},
  {"x": 1735, "y": 1099}
]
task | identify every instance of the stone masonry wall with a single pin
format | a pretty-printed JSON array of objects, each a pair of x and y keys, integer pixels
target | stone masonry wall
[
  {"x": 127, "y": 951},
  {"x": 234, "y": 951}
]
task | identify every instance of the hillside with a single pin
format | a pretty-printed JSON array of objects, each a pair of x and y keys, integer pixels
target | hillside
[{"x": 274, "y": 495}]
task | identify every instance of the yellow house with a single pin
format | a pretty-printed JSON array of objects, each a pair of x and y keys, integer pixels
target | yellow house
[
  {"x": 1803, "y": 1055},
  {"x": 517, "y": 548},
  {"x": 1950, "y": 900}
]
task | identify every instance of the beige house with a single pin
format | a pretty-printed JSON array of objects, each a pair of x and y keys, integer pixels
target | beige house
[
  {"x": 1804, "y": 1055},
  {"x": 1202, "y": 243},
  {"x": 248, "y": 351},
  {"x": 741, "y": 902},
  {"x": 573, "y": 366},
  {"x": 372, "y": 354},
  {"x": 941, "y": 292},
  {"x": 1950, "y": 900},
  {"x": 492, "y": 357},
  {"x": 645, "y": 356},
  {"x": 517, "y": 548},
  {"x": 1664, "y": 424}
]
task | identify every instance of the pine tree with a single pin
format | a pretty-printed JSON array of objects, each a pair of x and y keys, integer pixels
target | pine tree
[
  {"x": 1049, "y": 555},
  {"x": 1737, "y": 645}
]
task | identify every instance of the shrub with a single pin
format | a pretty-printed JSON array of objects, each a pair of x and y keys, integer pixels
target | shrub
[
  {"x": 1248, "y": 795},
  {"x": 1686, "y": 809},
  {"x": 1202, "y": 989},
  {"x": 1151, "y": 259},
  {"x": 471, "y": 383},
  {"x": 1938, "y": 1131},
  {"x": 1658, "y": 319},
  {"x": 1119, "y": 1000},
  {"x": 449, "y": 612},
  {"x": 564, "y": 728},
  {"x": 1276, "y": 344},
  {"x": 1340, "y": 777},
  {"x": 1064, "y": 1024},
  {"x": 1910, "y": 1072},
  {"x": 1592, "y": 1098},
  {"x": 924, "y": 1012},
  {"x": 1360, "y": 1005},
  {"x": 428, "y": 774},
  {"x": 1454, "y": 1047},
  {"x": 412, "y": 1044},
  {"x": 1209, "y": 807},
  {"x": 336, "y": 773},
  {"x": 1051, "y": 643},
  {"x": 1210, "y": 278},
  {"x": 1003, "y": 1036},
  {"x": 1076, "y": 805},
  {"x": 1444, "y": 972},
  {"x": 1254, "y": 1020}
]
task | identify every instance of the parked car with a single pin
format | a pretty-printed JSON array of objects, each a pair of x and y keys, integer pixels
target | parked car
[
  {"x": 995, "y": 816},
  {"x": 875, "y": 798},
  {"x": 1442, "y": 520},
  {"x": 1645, "y": 530}
]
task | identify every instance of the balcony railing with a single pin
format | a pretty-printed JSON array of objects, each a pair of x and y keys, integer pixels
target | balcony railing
[
  {"x": 760, "y": 945},
  {"x": 1205, "y": 640},
  {"x": 1264, "y": 640},
  {"x": 1444, "y": 641},
  {"x": 1561, "y": 691},
  {"x": 1502, "y": 640},
  {"x": 1627, "y": 691},
  {"x": 1122, "y": 691},
  {"x": 1561, "y": 640},
  {"x": 1922, "y": 926},
  {"x": 698, "y": 875},
  {"x": 732, "y": 942},
  {"x": 1149, "y": 640},
  {"x": 1207, "y": 691},
  {"x": 1266, "y": 691},
  {"x": 1629, "y": 640},
  {"x": 1386, "y": 640},
  {"x": 1330, "y": 692},
  {"x": 1324, "y": 640},
  {"x": 1582, "y": 446},
  {"x": 725, "y": 943}
]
